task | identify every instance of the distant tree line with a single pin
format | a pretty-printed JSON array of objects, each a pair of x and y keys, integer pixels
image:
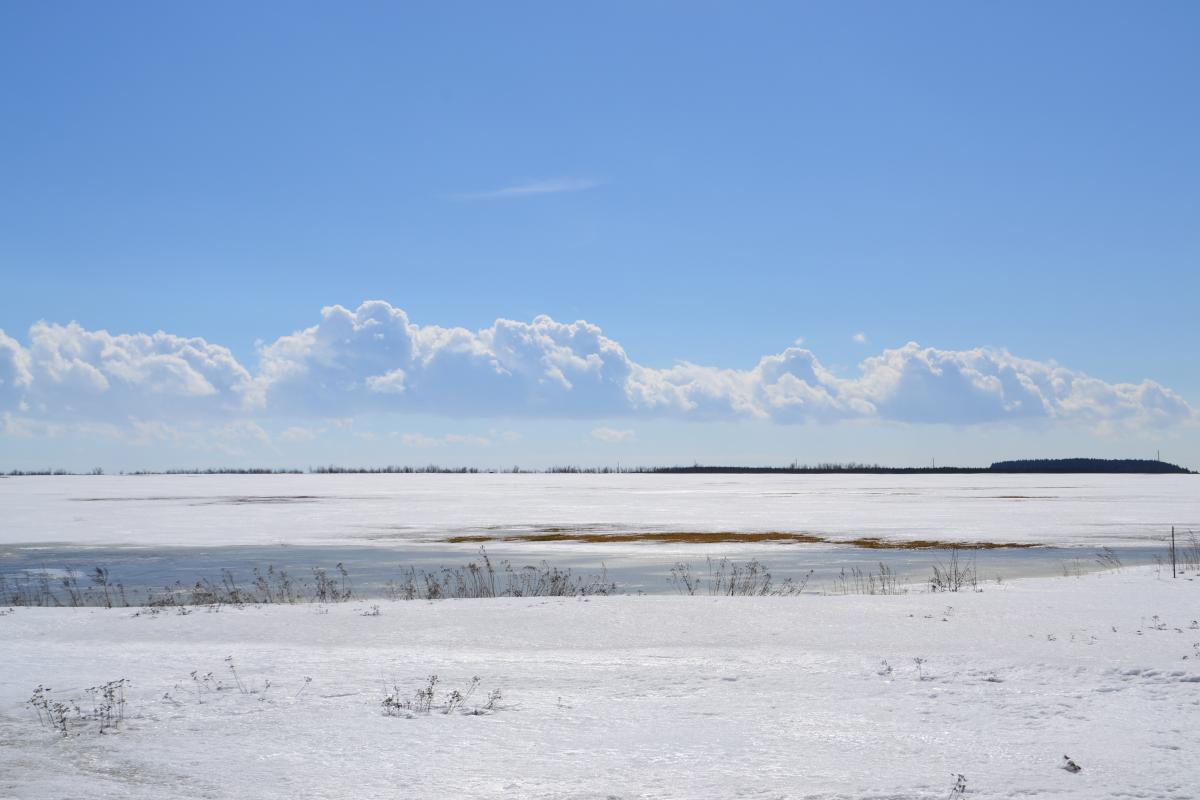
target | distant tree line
[
  {"x": 1029, "y": 465},
  {"x": 1123, "y": 465}
]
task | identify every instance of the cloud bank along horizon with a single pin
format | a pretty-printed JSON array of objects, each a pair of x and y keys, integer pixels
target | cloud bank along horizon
[{"x": 373, "y": 359}]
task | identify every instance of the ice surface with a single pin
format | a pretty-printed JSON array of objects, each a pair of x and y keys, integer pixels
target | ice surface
[{"x": 390, "y": 510}]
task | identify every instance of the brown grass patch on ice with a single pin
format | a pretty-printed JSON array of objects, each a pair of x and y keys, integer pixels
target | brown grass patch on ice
[
  {"x": 729, "y": 537},
  {"x": 875, "y": 543}
]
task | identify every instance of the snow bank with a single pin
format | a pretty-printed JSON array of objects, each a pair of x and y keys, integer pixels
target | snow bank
[{"x": 631, "y": 696}]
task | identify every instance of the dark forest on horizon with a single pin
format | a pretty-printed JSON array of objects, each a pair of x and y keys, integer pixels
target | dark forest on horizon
[
  {"x": 1043, "y": 466},
  {"x": 1024, "y": 466}
]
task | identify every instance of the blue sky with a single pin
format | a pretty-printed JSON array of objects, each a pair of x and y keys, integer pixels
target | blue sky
[{"x": 707, "y": 183}]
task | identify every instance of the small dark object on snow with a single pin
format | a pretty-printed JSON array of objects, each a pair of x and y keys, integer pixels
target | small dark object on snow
[{"x": 1070, "y": 766}]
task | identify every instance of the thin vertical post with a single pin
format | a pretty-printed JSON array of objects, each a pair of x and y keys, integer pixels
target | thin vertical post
[{"x": 1173, "y": 551}]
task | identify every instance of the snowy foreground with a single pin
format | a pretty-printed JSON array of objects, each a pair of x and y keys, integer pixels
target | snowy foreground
[{"x": 667, "y": 696}]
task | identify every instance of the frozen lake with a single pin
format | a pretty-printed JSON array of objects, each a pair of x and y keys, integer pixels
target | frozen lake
[{"x": 154, "y": 530}]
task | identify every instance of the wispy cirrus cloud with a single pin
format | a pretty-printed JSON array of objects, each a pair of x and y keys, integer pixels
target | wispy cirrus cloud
[
  {"x": 533, "y": 187},
  {"x": 298, "y": 433},
  {"x": 423, "y": 440},
  {"x": 613, "y": 435}
]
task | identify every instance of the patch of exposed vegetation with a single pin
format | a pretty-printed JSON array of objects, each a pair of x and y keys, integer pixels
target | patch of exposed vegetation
[{"x": 731, "y": 537}]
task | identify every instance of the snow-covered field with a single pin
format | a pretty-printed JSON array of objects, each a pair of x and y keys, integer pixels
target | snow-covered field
[
  {"x": 391, "y": 510},
  {"x": 681, "y": 697},
  {"x": 820, "y": 696}
]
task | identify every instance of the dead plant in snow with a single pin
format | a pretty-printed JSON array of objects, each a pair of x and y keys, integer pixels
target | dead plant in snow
[
  {"x": 954, "y": 574},
  {"x": 730, "y": 578},
  {"x": 68, "y": 715},
  {"x": 427, "y": 700}
]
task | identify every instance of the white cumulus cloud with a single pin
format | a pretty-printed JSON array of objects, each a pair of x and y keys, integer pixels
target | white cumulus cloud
[
  {"x": 68, "y": 372},
  {"x": 374, "y": 359}
]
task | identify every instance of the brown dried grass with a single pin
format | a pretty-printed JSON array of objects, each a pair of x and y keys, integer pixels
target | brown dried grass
[{"x": 730, "y": 537}]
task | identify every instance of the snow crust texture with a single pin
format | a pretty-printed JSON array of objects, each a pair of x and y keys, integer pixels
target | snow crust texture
[{"x": 628, "y": 697}]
